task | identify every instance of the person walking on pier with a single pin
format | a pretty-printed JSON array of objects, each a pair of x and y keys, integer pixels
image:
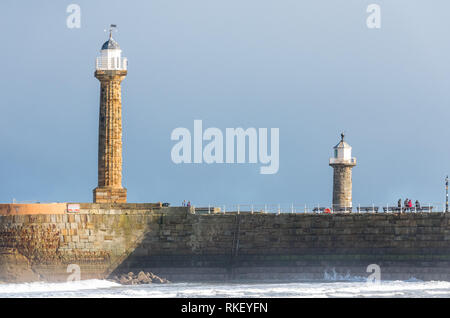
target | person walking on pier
[
  {"x": 399, "y": 205},
  {"x": 410, "y": 205},
  {"x": 417, "y": 205}
]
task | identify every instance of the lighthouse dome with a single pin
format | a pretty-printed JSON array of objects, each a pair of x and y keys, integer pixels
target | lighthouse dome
[
  {"x": 111, "y": 44},
  {"x": 342, "y": 144}
]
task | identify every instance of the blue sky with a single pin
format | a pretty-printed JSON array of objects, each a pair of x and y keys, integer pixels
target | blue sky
[{"x": 309, "y": 68}]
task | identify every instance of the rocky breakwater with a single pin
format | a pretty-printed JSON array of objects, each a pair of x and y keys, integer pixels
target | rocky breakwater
[{"x": 138, "y": 279}]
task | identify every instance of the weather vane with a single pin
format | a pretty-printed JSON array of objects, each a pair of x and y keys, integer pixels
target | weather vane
[{"x": 112, "y": 27}]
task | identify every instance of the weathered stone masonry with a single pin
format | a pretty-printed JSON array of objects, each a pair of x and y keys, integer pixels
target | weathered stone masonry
[
  {"x": 342, "y": 185},
  {"x": 110, "y": 138},
  {"x": 179, "y": 245}
]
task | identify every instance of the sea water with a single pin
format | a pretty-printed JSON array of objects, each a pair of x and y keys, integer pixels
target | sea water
[{"x": 328, "y": 287}]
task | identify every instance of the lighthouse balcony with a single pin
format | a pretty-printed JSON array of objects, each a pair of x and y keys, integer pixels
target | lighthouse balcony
[
  {"x": 111, "y": 63},
  {"x": 347, "y": 161}
]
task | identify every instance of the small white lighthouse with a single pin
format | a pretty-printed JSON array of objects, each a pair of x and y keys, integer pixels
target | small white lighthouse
[{"x": 342, "y": 164}]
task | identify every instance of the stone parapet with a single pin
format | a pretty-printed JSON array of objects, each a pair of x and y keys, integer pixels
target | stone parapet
[{"x": 32, "y": 208}]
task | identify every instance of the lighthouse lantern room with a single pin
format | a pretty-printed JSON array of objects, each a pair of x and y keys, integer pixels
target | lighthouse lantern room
[
  {"x": 342, "y": 153},
  {"x": 111, "y": 55}
]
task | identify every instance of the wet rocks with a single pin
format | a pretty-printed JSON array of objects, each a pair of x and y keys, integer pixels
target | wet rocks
[{"x": 139, "y": 279}]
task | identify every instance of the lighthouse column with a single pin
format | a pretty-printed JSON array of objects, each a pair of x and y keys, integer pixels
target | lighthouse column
[
  {"x": 342, "y": 186},
  {"x": 111, "y": 70},
  {"x": 110, "y": 139},
  {"x": 342, "y": 164}
]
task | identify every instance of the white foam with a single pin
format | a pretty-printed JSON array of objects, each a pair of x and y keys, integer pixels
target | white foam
[
  {"x": 41, "y": 287},
  {"x": 316, "y": 289}
]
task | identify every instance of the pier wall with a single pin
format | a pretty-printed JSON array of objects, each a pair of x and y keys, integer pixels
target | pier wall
[{"x": 104, "y": 239}]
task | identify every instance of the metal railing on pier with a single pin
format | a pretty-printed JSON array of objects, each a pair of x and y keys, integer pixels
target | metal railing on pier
[{"x": 315, "y": 208}]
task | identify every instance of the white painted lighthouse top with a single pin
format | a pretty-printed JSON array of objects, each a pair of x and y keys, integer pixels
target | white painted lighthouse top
[
  {"x": 342, "y": 153},
  {"x": 111, "y": 55}
]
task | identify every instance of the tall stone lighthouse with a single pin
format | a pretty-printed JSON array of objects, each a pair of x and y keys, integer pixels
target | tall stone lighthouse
[
  {"x": 111, "y": 69},
  {"x": 342, "y": 164}
]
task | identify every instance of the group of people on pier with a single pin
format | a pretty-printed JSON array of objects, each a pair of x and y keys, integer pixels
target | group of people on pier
[{"x": 408, "y": 205}]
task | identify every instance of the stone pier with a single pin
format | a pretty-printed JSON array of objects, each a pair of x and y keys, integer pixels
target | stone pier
[{"x": 39, "y": 242}]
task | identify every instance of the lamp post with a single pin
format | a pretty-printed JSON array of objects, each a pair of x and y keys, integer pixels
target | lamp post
[{"x": 446, "y": 194}]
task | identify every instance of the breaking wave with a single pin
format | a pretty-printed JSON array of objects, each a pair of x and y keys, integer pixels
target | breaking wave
[{"x": 333, "y": 276}]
